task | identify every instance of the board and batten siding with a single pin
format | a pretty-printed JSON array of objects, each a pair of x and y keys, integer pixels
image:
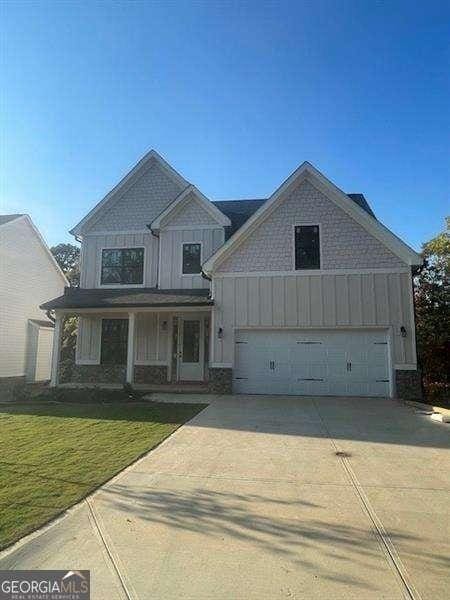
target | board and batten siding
[
  {"x": 89, "y": 337},
  {"x": 171, "y": 246},
  {"x": 91, "y": 255},
  {"x": 376, "y": 299},
  {"x": 151, "y": 341},
  {"x": 151, "y": 345}
]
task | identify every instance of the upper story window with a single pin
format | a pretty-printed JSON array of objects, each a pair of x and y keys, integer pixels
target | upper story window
[
  {"x": 307, "y": 247},
  {"x": 192, "y": 259},
  {"x": 122, "y": 266}
]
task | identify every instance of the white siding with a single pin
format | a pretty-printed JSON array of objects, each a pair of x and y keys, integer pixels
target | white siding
[
  {"x": 151, "y": 340},
  {"x": 92, "y": 250},
  {"x": 89, "y": 337},
  {"x": 31, "y": 352},
  {"x": 323, "y": 301},
  {"x": 151, "y": 346},
  {"x": 190, "y": 212},
  {"x": 137, "y": 206},
  {"x": 344, "y": 243},
  {"x": 44, "y": 354},
  {"x": 171, "y": 255},
  {"x": 28, "y": 278}
]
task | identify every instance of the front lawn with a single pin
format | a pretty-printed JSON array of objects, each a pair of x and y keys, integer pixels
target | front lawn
[{"x": 52, "y": 455}]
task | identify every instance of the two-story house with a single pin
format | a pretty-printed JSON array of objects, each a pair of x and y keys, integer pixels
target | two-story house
[
  {"x": 304, "y": 292},
  {"x": 29, "y": 274}
]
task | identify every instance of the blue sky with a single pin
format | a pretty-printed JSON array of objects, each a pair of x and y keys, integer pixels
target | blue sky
[{"x": 235, "y": 95}]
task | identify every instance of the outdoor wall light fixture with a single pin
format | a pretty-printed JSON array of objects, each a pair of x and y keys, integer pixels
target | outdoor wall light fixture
[
  {"x": 220, "y": 333},
  {"x": 164, "y": 326},
  {"x": 403, "y": 331}
]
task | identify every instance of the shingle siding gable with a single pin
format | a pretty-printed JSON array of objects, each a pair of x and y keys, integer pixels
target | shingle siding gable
[
  {"x": 140, "y": 204},
  {"x": 345, "y": 243},
  {"x": 191, "y": 213}
]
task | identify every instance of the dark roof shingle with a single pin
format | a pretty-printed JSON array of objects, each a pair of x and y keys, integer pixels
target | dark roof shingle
[
  {"x": 239, "y": 211},
  {"x": 128, "y": 298}
]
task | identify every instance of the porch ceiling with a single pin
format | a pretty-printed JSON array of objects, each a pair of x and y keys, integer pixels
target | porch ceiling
[{"x": 128, "y": 298}]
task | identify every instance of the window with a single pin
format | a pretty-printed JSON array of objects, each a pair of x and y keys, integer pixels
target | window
[
  {"x": 307, "y": 247},
  {"x": 191, "y": 341},
  {"x": 191, "y": 259},
  {"x": 114, "y": 342},
  {"x": 122, "y": 266}
]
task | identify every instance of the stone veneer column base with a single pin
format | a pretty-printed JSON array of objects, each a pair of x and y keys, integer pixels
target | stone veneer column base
[
  {"x": 98, "y": 374},
  {"x": 408, "y": 384},
  {"x": 156, "y": 374},
  {"x": 220, "y": 381}
]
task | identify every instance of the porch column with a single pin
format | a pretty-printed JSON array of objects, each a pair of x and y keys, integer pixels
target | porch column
[
  {"x": 56, "y": 349},
  {"x": 130, "y": 348}
]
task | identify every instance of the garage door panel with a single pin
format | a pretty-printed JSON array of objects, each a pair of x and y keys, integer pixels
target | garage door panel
[
  {"x": 312, "y": 363},
  {"x": 376, "y": 353}
]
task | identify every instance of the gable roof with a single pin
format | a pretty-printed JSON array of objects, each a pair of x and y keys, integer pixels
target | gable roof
[
  {"x": 183, "y": 198},
  {"x": 126, "y": 182},
  {"x": 8, "y": 218},
  {"x": 36, "y": 231},
  {"x": 239, "y": 211},
  {"x": 353, "y": 206}
]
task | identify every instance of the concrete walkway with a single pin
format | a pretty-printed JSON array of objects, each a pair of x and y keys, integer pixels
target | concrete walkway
[{"x": 249, "y": 500}]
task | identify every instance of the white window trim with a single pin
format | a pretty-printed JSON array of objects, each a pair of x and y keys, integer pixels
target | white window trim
[
  {"x": 120, "y": 286},
  {"x": 301, "y": 224},
  {"x": 201, "y": 259}
]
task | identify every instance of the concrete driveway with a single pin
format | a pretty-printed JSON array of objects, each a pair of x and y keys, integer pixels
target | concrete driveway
[{"x": 250, "y": 500}]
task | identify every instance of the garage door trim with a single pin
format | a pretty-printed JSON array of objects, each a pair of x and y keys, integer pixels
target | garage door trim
[{"x": 387, "y": 330}]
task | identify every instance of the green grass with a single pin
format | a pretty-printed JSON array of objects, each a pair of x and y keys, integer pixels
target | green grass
[{"x": 52, "y": 455}]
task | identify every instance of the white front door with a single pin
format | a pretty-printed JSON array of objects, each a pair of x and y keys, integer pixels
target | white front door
[{"x": 191, "y": 348}]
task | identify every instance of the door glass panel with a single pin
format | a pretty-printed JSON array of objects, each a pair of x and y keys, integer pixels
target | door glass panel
[{"x": 191, "y": 341}]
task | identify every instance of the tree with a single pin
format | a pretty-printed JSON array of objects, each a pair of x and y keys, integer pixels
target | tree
[
  {"x": 432, "y": 305},
  {"x": 68, "y": 258}
]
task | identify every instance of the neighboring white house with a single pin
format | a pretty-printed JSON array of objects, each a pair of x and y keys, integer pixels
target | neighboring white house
[
  {"x": 304, "y": 292},
  {"x": 29, "y": 275}
]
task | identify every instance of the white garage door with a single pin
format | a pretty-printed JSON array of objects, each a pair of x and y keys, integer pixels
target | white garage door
[{"x": 312, "y": 363}]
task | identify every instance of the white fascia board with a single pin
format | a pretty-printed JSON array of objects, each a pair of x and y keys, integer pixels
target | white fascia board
[
  {"x": 307, "y": 171},
  {"x": 370, "y": 224},
  {"x": 177, "y": 206},
  {"x": 126, "y": 182}
]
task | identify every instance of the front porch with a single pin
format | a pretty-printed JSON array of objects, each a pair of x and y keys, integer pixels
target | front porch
[
  {"x": 142, "y": 348},
  {"x": 145, "y": 337}
]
